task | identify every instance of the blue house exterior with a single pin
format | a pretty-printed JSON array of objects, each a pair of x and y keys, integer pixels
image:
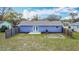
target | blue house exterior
[
  {"x": 41, "y": 26},
  {"x": 25, "y": 28}
]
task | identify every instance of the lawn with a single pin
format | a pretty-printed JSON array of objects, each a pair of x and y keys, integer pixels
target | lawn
[{"x": 40, "y": 42}]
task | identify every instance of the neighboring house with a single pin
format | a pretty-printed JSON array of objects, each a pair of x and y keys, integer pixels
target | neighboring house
[
  {"x": 66, "y": 24},
  {"x": 5, "y": 23},
  {"x": 75, "y": 26},
  {"x": 40, "y": 26}
]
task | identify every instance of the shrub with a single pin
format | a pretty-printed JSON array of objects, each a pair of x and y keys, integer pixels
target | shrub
[{"x": 3, "y": 28}]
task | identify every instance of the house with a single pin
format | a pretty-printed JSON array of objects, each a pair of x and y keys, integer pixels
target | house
[
  {"x": 40, "y": 26},
  {"x": 75, "y": 26},
  {"x": 5, "y": 23},
  {"x": 66, "y": 24}
]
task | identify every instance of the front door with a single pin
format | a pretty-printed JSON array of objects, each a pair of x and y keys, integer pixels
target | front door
[{"x": 35, "y": 28}]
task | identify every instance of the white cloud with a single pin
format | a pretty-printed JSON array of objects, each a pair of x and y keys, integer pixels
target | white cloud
[
  {"x": 30, "y": 14},
  {"x": 57, "y": 11},
  {"x": 67, "y": 17}
]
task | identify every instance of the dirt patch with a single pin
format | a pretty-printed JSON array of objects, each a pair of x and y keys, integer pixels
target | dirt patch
[{"x": 55, "y": 36}]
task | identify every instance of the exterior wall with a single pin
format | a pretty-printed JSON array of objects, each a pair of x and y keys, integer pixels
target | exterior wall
[
  {"x": 54, "y": 29},
  {"x": 50, "y": 28},
  {"x": 25, "y": 28},
  {"x": 75, "y": 28},
  {"x": 41, "y": 28}
]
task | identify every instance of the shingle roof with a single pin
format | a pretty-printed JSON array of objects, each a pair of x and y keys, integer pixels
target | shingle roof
[
  {"x": 48, "y": 23},
  {"x": 76, "y": 23}
]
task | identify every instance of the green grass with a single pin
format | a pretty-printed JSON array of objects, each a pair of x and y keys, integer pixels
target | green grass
[
  {"x": 76, "y": 35},
  {"x": 40, "y": 42}
]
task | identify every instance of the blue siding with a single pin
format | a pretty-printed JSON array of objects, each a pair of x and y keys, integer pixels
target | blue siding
[
  {"x": 50, "y": 28},
  {"x": 25, "y": 28},
  {"x": 42, "y": 28},
  {"x": 54, "y": 29}
]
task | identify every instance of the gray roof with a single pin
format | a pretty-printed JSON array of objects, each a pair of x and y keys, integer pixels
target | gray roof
[
  {"x": 76, "y": 23},
  {"x": 47, "y": 23}
]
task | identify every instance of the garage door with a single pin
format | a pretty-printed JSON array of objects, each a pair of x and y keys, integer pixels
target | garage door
[
  {"x": 54, "y": 29},
  {"x": 25, "y": 28}
]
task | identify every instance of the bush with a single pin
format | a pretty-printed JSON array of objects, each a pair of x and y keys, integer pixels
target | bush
[{"x": 3, "y": 28}]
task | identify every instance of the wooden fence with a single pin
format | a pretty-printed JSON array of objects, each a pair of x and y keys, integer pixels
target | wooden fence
[
  {"x": 68, "y": 32},
  {"x": 11, "y": 32}
]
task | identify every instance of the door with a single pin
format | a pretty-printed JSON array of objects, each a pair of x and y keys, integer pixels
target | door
[{"x": 35, "y": 29}]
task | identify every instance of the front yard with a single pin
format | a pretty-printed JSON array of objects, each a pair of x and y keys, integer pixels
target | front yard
[{"x": 40, "y": 42}]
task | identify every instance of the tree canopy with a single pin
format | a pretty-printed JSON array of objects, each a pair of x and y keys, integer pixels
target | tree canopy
[
  {"x": 35, "y": 18},
  {"x": 73, "y": 16},
  {"x": 53, "y": 17},
  {"x": 3, "y": 11}
]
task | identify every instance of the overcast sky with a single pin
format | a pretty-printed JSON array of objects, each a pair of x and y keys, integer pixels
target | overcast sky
[{"x": 42, "y": 12}]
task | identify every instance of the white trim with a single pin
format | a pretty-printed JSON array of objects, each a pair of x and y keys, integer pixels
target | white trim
[{"x": 35, "y": 29}]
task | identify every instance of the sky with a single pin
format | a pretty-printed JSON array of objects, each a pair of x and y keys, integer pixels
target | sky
[{"x": 43, "y": 12}]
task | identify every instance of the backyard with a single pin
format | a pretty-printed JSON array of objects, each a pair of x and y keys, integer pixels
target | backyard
[{"x": 40, "y": 42}]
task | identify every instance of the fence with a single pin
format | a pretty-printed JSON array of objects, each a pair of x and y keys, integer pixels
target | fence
[
  {"x": 11, "y": 32},
  {"x": 68, "y": 32}
]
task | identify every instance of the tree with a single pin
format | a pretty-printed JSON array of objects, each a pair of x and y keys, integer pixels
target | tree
[
  {"x": 73, "y": 15},
  {"x": 10, "y": 16},
  {"x": 35, "y": 18},
  {"x": 17, "y": 19},
  {"x": 3, "y": 11},
  {"x": 76, "y": 20},
  {"x": 13, "y": 17},
  {"x": 53, "y": 18}
]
